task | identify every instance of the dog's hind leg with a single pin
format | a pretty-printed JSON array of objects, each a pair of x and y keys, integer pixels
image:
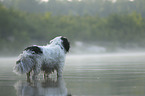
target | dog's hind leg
[
  {"x": 36, "y": 70},
  {"x": 28, "y": 76}
]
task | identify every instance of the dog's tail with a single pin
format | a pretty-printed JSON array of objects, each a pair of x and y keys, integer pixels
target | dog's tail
[{"x": 25, "y": 63}]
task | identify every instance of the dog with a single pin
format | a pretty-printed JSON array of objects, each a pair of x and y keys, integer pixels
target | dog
[{"x": 47, "y": 58}]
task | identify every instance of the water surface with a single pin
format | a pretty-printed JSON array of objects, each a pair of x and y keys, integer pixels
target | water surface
[{"x": 84, "y": 75}]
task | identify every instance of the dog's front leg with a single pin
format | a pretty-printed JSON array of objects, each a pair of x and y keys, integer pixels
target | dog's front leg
[{"x": 59, "y": 71}]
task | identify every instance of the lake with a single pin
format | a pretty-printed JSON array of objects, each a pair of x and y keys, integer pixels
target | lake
[{"x": 84, "y": 75}]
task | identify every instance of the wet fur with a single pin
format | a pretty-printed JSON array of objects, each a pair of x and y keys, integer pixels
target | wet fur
[{"x": 43, "y": 58}]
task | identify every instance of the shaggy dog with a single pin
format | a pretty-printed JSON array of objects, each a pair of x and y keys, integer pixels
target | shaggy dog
[{"x": 43, "y": 58}]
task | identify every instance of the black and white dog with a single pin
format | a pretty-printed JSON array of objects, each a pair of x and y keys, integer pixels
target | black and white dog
[{"x": 43, "y": 58}]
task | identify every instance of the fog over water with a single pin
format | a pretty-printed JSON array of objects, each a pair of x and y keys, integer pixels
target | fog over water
[
  {"x": 107, "y": 54},
  {"x": 80, "y": 47},
  {"x": 118, "y": 74}
]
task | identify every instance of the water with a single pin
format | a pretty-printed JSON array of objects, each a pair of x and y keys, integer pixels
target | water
[{"x": 84, "y": 75}]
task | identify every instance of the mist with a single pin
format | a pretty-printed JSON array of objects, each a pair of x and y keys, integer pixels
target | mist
[
  {"x": 92, "y": 26},
  {"x": 106, "y": 56}
]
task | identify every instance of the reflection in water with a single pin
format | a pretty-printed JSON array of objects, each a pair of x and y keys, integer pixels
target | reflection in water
[
  {"x": 48, "y": 87},
  {"x": 86, "y": 75}
]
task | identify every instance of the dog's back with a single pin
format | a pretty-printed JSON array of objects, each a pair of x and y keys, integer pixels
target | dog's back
[{"x": 34, "y": 49}]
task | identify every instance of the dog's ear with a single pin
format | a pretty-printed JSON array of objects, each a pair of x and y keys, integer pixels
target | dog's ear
[{"x": 65, "y": 43}]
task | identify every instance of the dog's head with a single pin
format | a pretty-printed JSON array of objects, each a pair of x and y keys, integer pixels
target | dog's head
[{"x": 62, "y": 41}]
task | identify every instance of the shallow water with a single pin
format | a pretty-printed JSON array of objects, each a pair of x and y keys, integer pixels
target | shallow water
[{"x": 84, "y": 75}]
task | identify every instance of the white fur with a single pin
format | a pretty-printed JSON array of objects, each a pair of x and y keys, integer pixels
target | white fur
[{"x": 53, "y": 57}]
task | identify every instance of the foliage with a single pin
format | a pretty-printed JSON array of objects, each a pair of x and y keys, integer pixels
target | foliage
[{"x": 20, "y": 29}]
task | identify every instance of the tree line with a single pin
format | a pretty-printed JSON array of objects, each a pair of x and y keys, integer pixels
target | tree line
[{"x": 20, "y": 29}]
